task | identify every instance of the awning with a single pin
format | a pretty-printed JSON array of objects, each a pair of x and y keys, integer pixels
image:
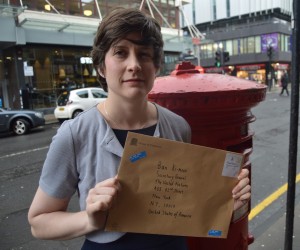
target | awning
[{"x": 29, "y": 19}]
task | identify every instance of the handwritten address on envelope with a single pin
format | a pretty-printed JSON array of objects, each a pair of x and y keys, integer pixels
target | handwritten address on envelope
[{"x": 174, "y": 188}]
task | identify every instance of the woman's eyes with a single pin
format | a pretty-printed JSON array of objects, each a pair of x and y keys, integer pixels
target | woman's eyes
[
  {"x": 120, "y": 53},
  {"x": 146, "y": 55}
]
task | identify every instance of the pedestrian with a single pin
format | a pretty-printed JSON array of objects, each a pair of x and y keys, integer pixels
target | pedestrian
[
  {"x": 85, "y": 153},
  {"x": 284, "y": 83}
]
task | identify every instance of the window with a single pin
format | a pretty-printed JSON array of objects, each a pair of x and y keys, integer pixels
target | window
[
  {"x": 235, "y": 47},
  {"x": 243, "y": 45},
  {"x": 257, "y": 44},
  {"x": 284, "y": 42},
  {"x": 251, "y": 45},
  {"x": 228, "y": 8},
  {"x": 229, "y": 47},
  {"x": 203, "y": 51},
  {"x": 98, "y": 94},
  {"x": 83, "y": 94},
  {"x": 214, "y": 10},
  {"x": 210, "y": 50}
]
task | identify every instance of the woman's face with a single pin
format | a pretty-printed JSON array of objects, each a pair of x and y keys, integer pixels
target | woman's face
[{"x": 129, "y": 68}]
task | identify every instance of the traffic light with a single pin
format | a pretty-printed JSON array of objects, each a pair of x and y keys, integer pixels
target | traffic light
[
  {"x": 218, "y": 59},
  {"x": 270, "y": 51},
  {"x": 226, "y": 57}
]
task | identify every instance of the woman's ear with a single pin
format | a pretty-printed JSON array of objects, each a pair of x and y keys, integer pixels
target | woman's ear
[{"x": 100, "y": 72}]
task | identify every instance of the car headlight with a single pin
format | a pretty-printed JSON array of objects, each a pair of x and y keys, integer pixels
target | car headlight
[{"x": 39, "y": 114}]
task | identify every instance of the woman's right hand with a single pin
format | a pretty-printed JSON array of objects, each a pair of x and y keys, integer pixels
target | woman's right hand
[{"x": 99, "y": 200}]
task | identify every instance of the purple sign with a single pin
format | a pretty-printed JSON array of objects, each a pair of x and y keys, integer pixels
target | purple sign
[{"x": 269, "y": 40}]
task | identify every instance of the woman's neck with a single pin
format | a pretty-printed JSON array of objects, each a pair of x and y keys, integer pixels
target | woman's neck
[{"x": 128, "y": 116}]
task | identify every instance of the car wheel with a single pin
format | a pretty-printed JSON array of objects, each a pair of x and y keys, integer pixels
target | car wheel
[
  {"x": 20, "y": 126},
  {"x": 76, "y": 112}
]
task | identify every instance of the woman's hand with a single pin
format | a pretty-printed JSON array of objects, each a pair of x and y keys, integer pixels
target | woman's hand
[
  {"x": 99, "y": 200},
  {"x": 241, "y": 192}
]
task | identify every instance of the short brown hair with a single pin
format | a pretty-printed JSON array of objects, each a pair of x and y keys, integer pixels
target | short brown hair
[{"x": 115, "y": 26}]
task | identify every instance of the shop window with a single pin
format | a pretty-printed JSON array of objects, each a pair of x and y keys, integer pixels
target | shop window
[
  {"x": 235, "y": 47},
  {"x": 284, "y": 42},
  {"x": 203, "y": 52},
  {"x": 56, "y": 70},
  {"x": 251, "y": 44},
  {"x": 74, "y": 8},
  {"x": 170, "y": 61},
  {"x": 210, "y": 50},
  {"x": 257, "y": 44},
  {"x": 243, "y": 45},
  {"x": 88, "y": 8},
  {"x": 229, "y": 47}
]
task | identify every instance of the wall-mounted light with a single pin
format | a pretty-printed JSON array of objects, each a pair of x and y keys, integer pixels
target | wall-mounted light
[
  {"x": 62, "y": 73},
  {"x": 47, "y": 7},
  {"x": 88, "y": 12},
  {"x": 86, "y": 72}
]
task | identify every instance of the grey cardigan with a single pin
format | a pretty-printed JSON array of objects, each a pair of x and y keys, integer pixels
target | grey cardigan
[{"x": 85, "y": 151}]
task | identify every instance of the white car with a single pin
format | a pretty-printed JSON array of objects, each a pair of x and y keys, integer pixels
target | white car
[{"x": 71, "y": 103}]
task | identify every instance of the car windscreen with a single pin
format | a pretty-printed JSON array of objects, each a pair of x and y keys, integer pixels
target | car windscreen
[{"x": 63, "y": 98}]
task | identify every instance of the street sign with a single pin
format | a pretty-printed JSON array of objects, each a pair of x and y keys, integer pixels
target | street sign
[{"x": 28, "y": 70}]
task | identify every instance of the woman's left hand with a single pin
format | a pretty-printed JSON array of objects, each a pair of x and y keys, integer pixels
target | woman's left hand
[{"x": 241, "y": 193}]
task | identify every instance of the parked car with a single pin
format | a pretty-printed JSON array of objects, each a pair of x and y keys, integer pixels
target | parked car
[
  {"x": 71, "y": 103},
  {"x": 20, "y": 121}
]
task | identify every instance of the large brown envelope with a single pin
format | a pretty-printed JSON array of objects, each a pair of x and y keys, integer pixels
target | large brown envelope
[{"x": 174, "y": 188}]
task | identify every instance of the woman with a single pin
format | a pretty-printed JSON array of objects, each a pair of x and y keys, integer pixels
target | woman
[{"x": 85, "y": 154}]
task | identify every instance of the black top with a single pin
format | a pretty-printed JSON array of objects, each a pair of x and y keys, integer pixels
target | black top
[{"x": 121, "y": 134}]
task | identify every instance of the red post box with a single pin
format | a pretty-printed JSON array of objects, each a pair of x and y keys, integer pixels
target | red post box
[{"x": 217, "y": 107}]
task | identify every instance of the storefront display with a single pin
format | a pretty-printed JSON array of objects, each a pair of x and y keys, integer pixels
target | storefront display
[{"x": 55, "y": 70}]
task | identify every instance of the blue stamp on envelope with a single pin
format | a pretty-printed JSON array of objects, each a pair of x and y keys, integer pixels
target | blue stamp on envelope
[
  {"x": 215, "y": 233},
  {"x": 138, "y": 156}
]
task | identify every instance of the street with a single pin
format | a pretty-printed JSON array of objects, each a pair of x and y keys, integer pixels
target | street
[
  {"x": 21, "y": 160},
  {"x": 270, "y": 157}
]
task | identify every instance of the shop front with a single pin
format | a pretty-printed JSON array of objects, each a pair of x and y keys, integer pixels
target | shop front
[
  {"x": 257, "y": 72},
  {"x": 43, "y": 72},
  {"x": 35, "y": 75},
  {"x": 55, "y": 70},
  {"x": 254, "y": 72}
]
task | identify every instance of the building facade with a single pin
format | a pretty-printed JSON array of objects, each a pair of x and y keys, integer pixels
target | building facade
[
  {"x": 256, "y": 34},
  {"x": 45, "y": 45}
]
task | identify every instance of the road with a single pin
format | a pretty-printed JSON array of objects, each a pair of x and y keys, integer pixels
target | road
[
  {"x": 270, "y": 159},
  {"x": 21, "y": 159}
]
